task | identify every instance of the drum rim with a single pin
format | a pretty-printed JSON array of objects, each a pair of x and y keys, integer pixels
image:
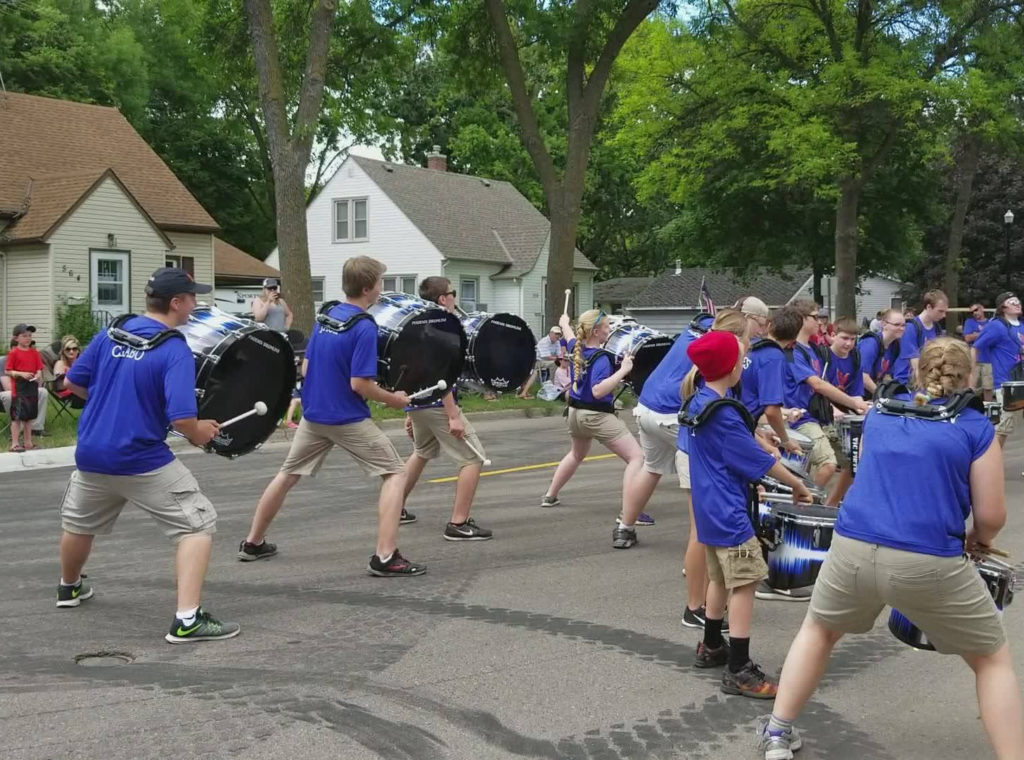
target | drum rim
[{"x": 787, "y": 510}]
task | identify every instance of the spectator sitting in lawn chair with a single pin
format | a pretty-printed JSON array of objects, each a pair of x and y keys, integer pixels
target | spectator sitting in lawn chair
[{"x": 69, "y": 352}]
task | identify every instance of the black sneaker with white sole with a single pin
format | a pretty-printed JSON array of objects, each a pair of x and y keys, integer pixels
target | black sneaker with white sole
[
  {"x": 72, "y": 596},
  {"x": 251, "y": 552},
  {"x": 467, "y": 531},
  {"x": 397, "y": 565},
  {"x": 623, "y": 537},
  {"x": 205, "y": 627},
  {"x": 767, "y": 593},
  {"x": 550, "y": 501},
  {"x": 407, "y": 517},
  {"x": 696, "y": 619}
]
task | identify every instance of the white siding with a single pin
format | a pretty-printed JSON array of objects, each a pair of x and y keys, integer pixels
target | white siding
[
  {"x": 29, "y": 291},
  {"x": 107, "y": 211},
  {"x": 456, "y": 269},
  {"x": 875, "y": 294},
  {"x": 667, "y": 321},
  {"x": 199, "y": 247},
  {"x": 533, "y": 293},
  {"x": 392, "y": 238}
]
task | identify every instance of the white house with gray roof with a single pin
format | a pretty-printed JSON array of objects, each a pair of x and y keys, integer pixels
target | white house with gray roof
[{"x": 481, "y": 234}]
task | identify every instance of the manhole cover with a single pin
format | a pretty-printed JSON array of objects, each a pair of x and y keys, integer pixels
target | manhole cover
[{"x": 103, "y": 659}]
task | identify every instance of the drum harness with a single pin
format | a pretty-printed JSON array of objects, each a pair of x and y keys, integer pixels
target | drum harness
[
  {"x": 122, "y": 337},
  {"x": 595, "y": 406},
  {"x": 332, "y": 325}
]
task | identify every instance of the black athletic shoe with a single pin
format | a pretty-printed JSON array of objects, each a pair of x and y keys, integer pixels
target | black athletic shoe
[
  {"x": 72, "y": 596},
  {"x": 695, "y": 619},
  {"x": 407, "y": 517},
  {"x": 623, "y": 537},
  {"x": 711, "y": 658},
  {"x": 251, "y": 552},
  {"x": 397, "y": 565},
  {"x": 766, "y": 592},
  {"x": 205, "y": 628},
  {"x": 468, "y": 531},
  {"x": 550, "y": 501}
]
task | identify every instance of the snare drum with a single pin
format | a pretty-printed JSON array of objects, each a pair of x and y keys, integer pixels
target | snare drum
[
  {"x": 239, "y": 362},
  {"x": 994, "y": 411},
  {"x": 802, "y": 538},
  {"x": 998, "y": 577},
  {"x": 647, "y": 346},
  {"x": 799, "y": 464},
  {"x": 418, "y": 344},
  {"x": 850, "y": 430},
  {"x": 1013, "y": 395},
  {"x": 501, "y": 350}
]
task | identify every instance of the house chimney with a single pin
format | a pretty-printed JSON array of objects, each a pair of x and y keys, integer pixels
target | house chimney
[
  {"x": 679, "y": 267},
  {"x": 437, "y": 160}
]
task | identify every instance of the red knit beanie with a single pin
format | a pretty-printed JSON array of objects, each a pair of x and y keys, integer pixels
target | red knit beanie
[{"x": 715, "y": 354}]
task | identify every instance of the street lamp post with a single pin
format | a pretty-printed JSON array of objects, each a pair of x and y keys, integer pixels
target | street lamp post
[{"x": 1007, "y": 222}]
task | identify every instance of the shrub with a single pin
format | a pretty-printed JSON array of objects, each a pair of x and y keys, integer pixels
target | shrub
[{"x": 76, "y": 319}]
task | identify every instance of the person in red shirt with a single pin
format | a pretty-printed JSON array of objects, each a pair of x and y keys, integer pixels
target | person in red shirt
[
  {"x": 825, "y": 330},
  {"x": 25, "y": 368}
]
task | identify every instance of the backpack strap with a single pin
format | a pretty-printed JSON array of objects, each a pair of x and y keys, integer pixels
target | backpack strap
[
  {"x": 332, "y": 325},
  {"x": 696, "y": 420},
  {"x": 122, "y": 337}
]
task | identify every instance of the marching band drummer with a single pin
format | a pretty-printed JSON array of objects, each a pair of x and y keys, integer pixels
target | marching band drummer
[
  {"x": 879, "y": 351},
  {"x": 591, "y": 405},
  {"x": 900, "y": 540},
  {"x": 1002, "y": 340}
]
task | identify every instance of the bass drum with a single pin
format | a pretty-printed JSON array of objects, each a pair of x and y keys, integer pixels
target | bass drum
[
  {"x": 417, "y": 344},
  {"x": 239, "y": 362},
  {"x": 647, "y": 346},
  {"x": 501, "y": 351}
]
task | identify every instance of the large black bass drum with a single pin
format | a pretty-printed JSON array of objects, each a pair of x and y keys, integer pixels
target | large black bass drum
[
  {"x": 501, "y": 351},
  {"x": 647, "y": 346},
  {"x": 239, "y": 362},
  {"x": 417, "y": 344}
]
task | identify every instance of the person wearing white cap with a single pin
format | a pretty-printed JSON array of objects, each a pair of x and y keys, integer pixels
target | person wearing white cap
[
  {"x": 549, "y": 348},
  {"x": 270, "y": 309}
]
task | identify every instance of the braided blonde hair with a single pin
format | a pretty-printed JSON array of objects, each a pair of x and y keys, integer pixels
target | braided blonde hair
[
  {"x": 727, "y": 320},
  {"x": 584, "y": 329},
  {"x": 943, "y": 368}
]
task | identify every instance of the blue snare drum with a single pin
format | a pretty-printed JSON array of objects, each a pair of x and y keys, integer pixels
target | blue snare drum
[{"x": 802, "y": 538}]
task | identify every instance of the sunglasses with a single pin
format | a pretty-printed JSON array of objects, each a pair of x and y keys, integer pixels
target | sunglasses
[
  {"x": 450, "y": 293},
  {"x": 271, "y": 287},
  {"x": 72, "y": 348}
]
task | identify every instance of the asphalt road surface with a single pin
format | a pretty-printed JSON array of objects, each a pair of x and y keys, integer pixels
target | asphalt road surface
[{"x": 544, "y": 642}]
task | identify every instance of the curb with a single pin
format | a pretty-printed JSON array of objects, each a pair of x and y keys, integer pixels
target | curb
[{"x": 64, "y": 456}]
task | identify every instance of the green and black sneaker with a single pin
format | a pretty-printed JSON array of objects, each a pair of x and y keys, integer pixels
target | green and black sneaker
[
  {"x": 72, "y": 596},
  {"x": 204, "y": 628}
]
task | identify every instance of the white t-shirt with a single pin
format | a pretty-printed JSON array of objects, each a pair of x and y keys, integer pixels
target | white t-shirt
[{"x": 549, "y": 349}]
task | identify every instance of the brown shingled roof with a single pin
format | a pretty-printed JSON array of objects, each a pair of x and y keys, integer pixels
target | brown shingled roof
[
  {"x": 234, "y": 262},
  {"x": 53, "y": 139}
]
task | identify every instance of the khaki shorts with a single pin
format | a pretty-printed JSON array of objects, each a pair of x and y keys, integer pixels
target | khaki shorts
[
  {"x": 604, "y": 426},
  {"x": 842, "y": 461},
  {"x": 430, "y": 436},
  {"x": 822, "y": 453},
  {"x": 169, "y": 494},
  {"x": 944, "y": 596},
  {"x": 1006, "y": 421},
  {"x": 659, "y": 443},
  {"x": 683, "y": 468},
  {"x": 736, "y": 566},
  {"x": 985, "y": 376},
  {"x": 363, "y": 440}
]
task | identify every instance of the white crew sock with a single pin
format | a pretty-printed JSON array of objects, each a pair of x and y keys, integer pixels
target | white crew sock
[
  {"x": 73, "y": 583},
  {"x": 188, "y": 617}
]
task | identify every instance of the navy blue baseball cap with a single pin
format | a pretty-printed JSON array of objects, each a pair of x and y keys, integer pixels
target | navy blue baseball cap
[{"x": 170, "y": 281}]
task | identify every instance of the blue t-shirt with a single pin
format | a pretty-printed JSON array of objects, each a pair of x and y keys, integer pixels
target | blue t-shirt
[
  {"x": 724, "y": 459},
  {"x": 134, "y": 396},
  {"x": 1002, "y": 342},
  {"x": 869, "y": 345},
  {"x": 661, "y": 389},
  {"x": 600, "y": 370},
  {"x": 910, "y": 347},
  {"x": 845, "y": 374},
  {"x": 921, "y": 503},
  {"x": 971, "y": 326},
  {"x": 763, "y": 382},
  {"x": 334, "y": 359},
  {"x": 798, "y": 391}
]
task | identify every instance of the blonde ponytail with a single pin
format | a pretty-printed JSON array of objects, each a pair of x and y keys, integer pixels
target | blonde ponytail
[{"x": 584, "y": 329}]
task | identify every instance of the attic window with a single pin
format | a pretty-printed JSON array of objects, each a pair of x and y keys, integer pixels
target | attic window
[{"x": 351, "y": 220}]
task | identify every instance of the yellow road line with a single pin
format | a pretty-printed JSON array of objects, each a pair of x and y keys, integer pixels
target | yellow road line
[{"x": 524, "y": 468}]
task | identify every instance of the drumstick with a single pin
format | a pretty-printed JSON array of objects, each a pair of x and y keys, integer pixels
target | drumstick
[
  {"x": 475, "y": 451},
  {"x": 259, "y": 409},
  {"x": 565, "y": 309},
  {"x": 440, "y": 385},
  {"x": 992, "y": 550}
]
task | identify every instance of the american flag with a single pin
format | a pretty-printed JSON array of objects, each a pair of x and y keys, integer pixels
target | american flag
[{"x": 705, "y": 303}]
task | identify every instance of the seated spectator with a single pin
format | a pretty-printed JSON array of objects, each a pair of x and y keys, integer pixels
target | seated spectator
[
  {"x": 67, "y": 355},
  {"x": 24, "y": 367},
  {"x": 549, "y": 348},
  {"x": 562, "y": 378}
]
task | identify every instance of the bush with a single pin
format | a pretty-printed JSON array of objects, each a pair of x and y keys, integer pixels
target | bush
[{"x": 76, "y": 319}]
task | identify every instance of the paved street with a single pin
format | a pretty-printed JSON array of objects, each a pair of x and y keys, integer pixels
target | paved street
[{"x": 544, "y": 642}]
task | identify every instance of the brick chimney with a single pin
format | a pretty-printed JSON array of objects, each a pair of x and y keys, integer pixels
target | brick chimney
[{"x": 437, "y": 160}]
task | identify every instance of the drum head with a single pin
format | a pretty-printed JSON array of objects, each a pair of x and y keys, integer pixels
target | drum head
[
  {"x": 430, "y": 345},
  {"x": 503, "y": 352},
  {"x": 256, "y": 366}
]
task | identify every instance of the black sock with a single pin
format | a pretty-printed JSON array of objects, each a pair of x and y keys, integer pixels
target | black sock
[
  {"x": 739, "y": 653},
  {"x": 713, "y": 633}
]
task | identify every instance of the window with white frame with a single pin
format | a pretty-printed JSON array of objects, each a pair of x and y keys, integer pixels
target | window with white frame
[
  {"x": 350, "y": 220},
  {"x": 469, "y": 293},
  {"x": 188, "y": 263},
  {"x": 318, "y": 289},
  {"x": 895, "y": 302},
  {"x": 400, "y": 283}
]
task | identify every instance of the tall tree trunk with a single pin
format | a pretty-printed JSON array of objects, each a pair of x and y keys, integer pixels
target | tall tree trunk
[
  {"x": 560, "y": 258},
  {"x": 846, "y": 247},
  {"x": 817, "y": 272},
  {"x": 290, "y": 198},
  {"x": 966, "y": 169}
]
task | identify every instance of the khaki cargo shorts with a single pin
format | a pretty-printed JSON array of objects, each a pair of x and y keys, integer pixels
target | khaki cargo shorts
[
  {"x": 430, "y": 436},
  {"x": 658, "y": 442},
  {"x": 604, "y": 426},
  {"x": 943, "y": 596},
  {"x": 736, "y": 566},
  {"x": 169, "y": 494},
  {"x": 363, "y": 441},
  {"x": 822, "y": 453},
  {"x": 985, "y": 376},
  {"x": 842, "y": 461},
  {"x": 1006, "y": 419}
]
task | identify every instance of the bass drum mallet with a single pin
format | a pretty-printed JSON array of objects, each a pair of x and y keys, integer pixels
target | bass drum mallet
[{"x": 258, "y": 409}]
